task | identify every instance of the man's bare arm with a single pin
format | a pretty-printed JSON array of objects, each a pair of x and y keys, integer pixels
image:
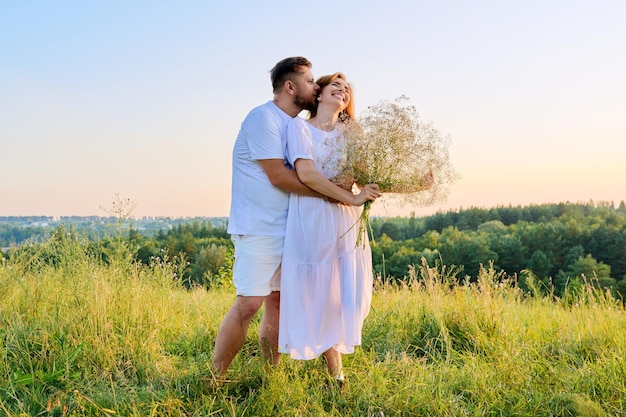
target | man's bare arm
[{"x": 284, "y": 178}]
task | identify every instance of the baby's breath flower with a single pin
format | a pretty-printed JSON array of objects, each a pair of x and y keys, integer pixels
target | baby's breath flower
[{"x": 407, "y": 157}]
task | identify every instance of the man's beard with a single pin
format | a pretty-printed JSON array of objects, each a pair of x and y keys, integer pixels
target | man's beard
[{"x": 304, "y": 103}]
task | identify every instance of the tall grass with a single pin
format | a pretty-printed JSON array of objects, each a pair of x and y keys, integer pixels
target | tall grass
[{"x": 81, "y": 337}]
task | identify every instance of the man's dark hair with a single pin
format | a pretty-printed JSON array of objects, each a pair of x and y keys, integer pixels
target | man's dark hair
[{"x": 286, "y": 69}]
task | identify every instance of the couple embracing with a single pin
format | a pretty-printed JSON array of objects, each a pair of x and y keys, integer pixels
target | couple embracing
[{"x": 292, "y": 227}]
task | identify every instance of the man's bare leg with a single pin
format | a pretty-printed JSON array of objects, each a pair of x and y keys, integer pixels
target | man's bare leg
[
  {"x": 232, "y": 332},
  {"x": 268, "y": 332}
]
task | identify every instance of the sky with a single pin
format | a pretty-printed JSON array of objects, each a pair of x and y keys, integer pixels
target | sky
[{"x": 141, "y": 100}]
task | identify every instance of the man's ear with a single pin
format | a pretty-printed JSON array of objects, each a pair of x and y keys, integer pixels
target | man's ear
[{"x": 289, "y": 87}]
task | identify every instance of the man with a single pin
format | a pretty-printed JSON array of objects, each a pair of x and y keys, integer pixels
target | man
[{"x": 261, "y": 185}]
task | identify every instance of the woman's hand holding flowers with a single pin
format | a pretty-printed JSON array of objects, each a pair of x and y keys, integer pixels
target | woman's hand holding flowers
[{"x": 369, "y": 193}]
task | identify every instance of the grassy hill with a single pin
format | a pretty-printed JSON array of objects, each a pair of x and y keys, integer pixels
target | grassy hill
[{"x": 80, "y": 337}]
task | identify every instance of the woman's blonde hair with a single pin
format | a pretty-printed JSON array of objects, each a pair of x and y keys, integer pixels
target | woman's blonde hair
[{"x": 326, "y": 80}]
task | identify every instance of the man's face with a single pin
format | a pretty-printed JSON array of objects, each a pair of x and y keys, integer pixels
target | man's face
[{"x": 306, "y": 89}]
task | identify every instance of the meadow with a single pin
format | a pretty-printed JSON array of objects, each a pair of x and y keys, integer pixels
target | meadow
[{"x": 84, "y": 337}]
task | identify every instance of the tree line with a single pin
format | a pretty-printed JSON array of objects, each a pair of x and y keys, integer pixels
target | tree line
[{"x": 558, "y": 245}]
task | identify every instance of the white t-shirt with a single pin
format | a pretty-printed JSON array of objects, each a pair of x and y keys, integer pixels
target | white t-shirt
[{"x": 257, "y": 207}]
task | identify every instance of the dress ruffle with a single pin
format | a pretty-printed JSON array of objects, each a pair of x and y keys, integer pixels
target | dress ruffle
[{"x": 326, "y": 282}]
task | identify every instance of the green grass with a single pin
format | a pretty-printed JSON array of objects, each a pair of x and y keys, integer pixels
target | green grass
[{"x": 84, "y": 338}]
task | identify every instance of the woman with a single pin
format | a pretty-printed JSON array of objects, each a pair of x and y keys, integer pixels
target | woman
[{"x": 326, "y": 284}]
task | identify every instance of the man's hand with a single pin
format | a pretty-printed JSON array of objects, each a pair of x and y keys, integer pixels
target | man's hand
[
  {"x": 345, "y": 181},
  {"x": 333, "y": 201}
]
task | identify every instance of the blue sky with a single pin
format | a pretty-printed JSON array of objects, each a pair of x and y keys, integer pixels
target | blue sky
[{"x": 143, "y": 99}]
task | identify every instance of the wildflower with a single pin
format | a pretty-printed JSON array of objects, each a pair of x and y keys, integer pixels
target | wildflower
[{"x": 392, "y": 147}]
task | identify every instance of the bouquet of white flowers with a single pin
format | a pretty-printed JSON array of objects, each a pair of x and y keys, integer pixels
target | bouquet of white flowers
[{"x": 406, "y": 157}]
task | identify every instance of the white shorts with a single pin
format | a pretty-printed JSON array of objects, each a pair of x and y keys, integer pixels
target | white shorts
[{"x": 256, "y": 270}]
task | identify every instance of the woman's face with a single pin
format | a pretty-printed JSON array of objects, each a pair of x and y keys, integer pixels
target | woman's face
[{"x": 336, "y": 93}]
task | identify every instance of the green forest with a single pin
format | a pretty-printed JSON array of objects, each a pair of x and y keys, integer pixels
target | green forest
[{"x": 558, "y": 245}]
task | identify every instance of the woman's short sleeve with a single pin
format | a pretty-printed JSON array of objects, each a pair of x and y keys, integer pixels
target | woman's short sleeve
[{"x": 299, "y": 142}]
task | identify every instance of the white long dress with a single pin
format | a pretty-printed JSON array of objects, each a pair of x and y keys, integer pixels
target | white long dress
[{"x": 326, "y": 281}]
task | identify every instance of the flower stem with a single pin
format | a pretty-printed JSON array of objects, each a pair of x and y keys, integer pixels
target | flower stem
[{"x": 364, "y": 223}]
